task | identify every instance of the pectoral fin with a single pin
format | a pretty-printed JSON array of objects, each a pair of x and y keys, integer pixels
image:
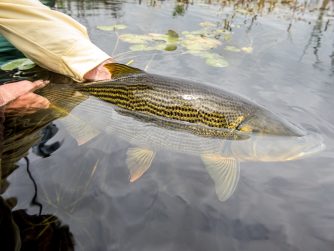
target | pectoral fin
[
  {"x": 139, "y": 160},
  {"x": 225, "y": 173},
  {"x": 79, "y": 130}
]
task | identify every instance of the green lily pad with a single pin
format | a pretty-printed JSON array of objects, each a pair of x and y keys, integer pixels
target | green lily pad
[
  {"x": 170, "y": 47},
  {"x": 140, "y": 47},
  {"x": 135, "y": 39},
  {"x": 111, "y": 27},
  {"x": 146, "y": 47},
  {"x": 247, "y": 49},
  {"x": 21, "y": 64},
  {"x": 172, "y": 34},
  {"x": 26, "y": 66},
  {"x": 158, "y": 37},
  {"x": 227, "y": 36},
  {"x": 217, "y": 61},
  {"x": 212, "y": 59},
  {"x": 198, "y": 43},
  {"x": 232, "y": 49},
  {"x": 207, "y": 24}
]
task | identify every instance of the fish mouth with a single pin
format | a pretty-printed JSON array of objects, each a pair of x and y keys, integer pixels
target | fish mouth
[
  {"x": 317, "y": 146},
  {"x": 272, "y": 148}
]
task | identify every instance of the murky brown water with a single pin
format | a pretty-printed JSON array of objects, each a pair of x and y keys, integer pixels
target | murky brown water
[{"x": 282, "y": 58}]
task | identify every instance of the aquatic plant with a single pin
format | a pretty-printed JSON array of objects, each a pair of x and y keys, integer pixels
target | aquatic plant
[
  {"x": 203, "y": 43},
  {"x": 20, "y": 64}
]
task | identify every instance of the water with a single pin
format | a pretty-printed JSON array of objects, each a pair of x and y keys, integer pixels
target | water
[{"x": 276, "y": 206}]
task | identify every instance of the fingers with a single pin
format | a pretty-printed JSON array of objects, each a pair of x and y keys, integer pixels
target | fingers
[
  {"x": 39, "y": 84},
  {"x": 10, "y": 92},
  {"x": 27, "y": 103}
]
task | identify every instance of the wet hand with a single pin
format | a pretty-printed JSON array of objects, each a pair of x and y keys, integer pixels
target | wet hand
[
  {"x": 99, "y": 72},
  {"x": 19, "y": 96}
]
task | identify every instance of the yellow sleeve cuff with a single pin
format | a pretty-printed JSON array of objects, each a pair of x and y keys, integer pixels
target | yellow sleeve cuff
[
  {"x": 81, "y": 58},
  {"x": 50, "y": 38}
]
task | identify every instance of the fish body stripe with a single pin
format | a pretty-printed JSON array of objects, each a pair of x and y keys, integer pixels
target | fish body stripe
[{"x": 173, "y": 99}]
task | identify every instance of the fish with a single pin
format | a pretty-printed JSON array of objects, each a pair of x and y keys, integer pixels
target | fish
[
  {"x": 158, "y": 113},
  {"x": 206, "y": 110},
  {"x": 154, "y": 112}
]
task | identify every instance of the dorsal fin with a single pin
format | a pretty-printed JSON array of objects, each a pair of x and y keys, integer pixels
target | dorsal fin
[{"x": 121, "y": 70}]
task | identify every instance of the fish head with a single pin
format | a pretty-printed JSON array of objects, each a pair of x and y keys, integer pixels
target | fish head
[
  {"x": 265, "y": 122},
  {"x": 278, "y": 148}
]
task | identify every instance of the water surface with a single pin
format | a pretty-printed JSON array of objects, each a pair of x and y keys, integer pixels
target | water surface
[{"x": 288, "y": 68}]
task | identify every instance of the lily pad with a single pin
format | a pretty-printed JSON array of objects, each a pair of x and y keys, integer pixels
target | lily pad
[
  {"x": 217, "y": 61},
  {"x": 172, "y": 34},
  {"x": 170, "y": 47},
  {"x": 135, "y": 39},
  {"x": 158, "y": 37},
  {"x": 111, "y": 27},
  {"x": 232, "y": 49},
  {"x": 207, "y": 24},
  {"x": 140, "y": 47},
  {"x": 146, "y": 47},
  {"x": 21, "y": 64},
  {"x": 247, "y": 49},
  {"x": 212, "y": 59},
  {"x": 198, "y": 43}
]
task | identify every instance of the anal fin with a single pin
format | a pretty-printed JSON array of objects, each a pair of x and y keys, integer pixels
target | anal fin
[
  {"x": 225, "y": 173},
  {"x": 139, "y": 161},
  {"x": 79, "y": 130}
]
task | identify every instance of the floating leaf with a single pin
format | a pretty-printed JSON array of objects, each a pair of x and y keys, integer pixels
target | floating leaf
[
  {"x": 232, "y": 48},
  {"x": 212, "y": 59},
  {"x": 140, "y": 47},
  {"x": 247, "y": 49},
  {"x": 135, "y": 39},
  {"x": 198, "y": 43},
  {"x": 170, "y": 47},
  {"x": 146, "y": 47},
  {"x": 26, "y": 66},
  {"x": 217, "y": 61},
  {"x": 158, "y": 37},
  {"x": 227, "y": 36},
  {"x": 172, "y": 34},
  {"x": 20, "y": 63},
  {"x": 207, "y": 24},
  {"x": 111, "y": 27}
]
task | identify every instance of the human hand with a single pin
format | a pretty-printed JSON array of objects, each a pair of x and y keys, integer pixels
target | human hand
[
  {"x": 99, "y": 72},
  {"x": 19, "y": 96}
]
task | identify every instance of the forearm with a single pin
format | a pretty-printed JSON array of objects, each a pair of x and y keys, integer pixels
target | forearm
[{"x": 50, "y": 38}]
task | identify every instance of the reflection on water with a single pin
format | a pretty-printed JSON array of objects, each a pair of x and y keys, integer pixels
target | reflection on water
[{"x": 81, "y": 176}]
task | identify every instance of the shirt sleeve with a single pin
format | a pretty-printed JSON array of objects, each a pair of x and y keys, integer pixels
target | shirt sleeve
[{"x": 50, "y": 38}]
